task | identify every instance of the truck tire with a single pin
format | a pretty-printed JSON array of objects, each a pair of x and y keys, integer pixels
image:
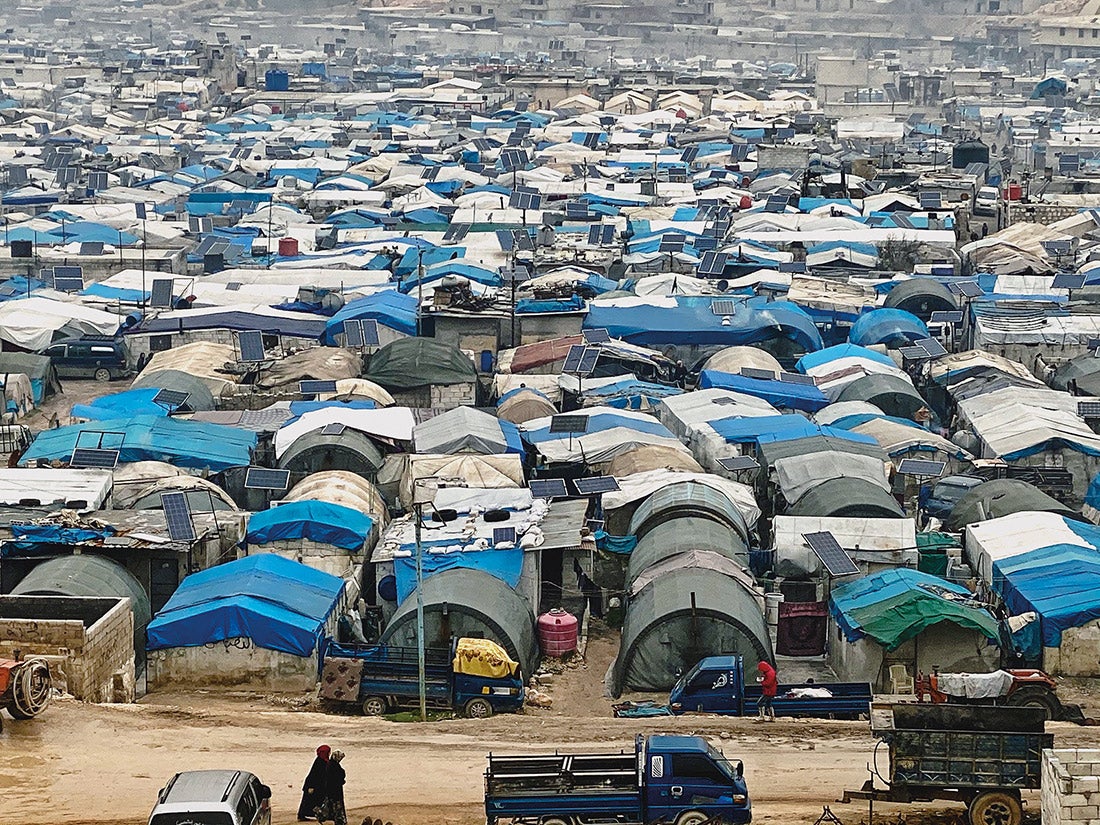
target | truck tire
[
  {"x": 102, "y": 374},
  {"x": 691, "y": 818},
  {"x": 375, "y": 705},
  {"x": 557, "y": 820},
  {"x": 995, "y": 808},
  {"x": 1036, "y": 697},
  {"x": 479, "y": 709}
]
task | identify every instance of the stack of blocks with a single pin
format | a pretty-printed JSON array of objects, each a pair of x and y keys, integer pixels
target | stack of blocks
[{"x": 1071, "y": 786}]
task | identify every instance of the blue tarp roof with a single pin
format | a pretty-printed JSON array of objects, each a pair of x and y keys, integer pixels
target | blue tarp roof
[
  {"x": 116, "y": 405},
  {"x": 767, "y": 428},
  {"x": 504, "y": 564},
  {"x": 886, "y": 326},
  {"x": 317, "y": 521},
  {"x": 834, "y": 353},
  {"x": 390, "y": 309},
  {"x": 192, "y": 444},
  {"x": 804, "y": 397},
  {"x": 690, "y": 320},
  {"x": 277, "y": 603}
]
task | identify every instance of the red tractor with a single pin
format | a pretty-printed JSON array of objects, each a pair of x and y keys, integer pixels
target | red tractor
[
  {"x": 1017, "y": 688},
  {"x": 25, "y": 687}
]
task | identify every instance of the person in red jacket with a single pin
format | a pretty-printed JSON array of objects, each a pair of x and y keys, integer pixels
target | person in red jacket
[{"x": 769, "y": 686}]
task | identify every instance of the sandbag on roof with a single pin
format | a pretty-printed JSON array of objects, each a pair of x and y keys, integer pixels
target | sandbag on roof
[{"x": 419, "y": 362}]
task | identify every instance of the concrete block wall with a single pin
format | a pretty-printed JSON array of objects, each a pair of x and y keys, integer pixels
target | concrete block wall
[
  {"x": 454, "y": 395},
  {"x": 108, "y": 661},
  {"x": 1044, "y": 213},
  {"x": 1071, "y": 786}
]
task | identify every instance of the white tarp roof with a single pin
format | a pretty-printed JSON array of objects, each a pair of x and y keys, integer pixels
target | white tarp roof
[
  {"x": 877, "y": 540},
  {"x": 393, "y": 423},
  {"x": 32, "y": 323},
  {"x": 986, "y": 542},
  {"x": 1015, "y": 419},
  {"x": 797, "y": 474},
  {"x": 56, "y": 487},
  {"x": 641, "y": 485}
]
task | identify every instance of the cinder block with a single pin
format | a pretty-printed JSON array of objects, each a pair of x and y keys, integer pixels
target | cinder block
[
  {"x": 1071, "y": 800},
  {"x": 1079, "y": 812},
  {"x": 1087, "y": 784}
]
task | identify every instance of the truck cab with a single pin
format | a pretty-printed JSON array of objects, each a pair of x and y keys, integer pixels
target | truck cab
[{"x": 688, "y": 781}]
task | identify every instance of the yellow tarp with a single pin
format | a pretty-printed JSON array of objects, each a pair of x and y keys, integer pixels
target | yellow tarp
[{"x": 483, "y": 657}]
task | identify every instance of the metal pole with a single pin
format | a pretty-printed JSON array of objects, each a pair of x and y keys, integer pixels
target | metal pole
[
  {"x": 419, "y": 299},
  {"x": 421, "y": 678},
  {"x": 144, "y": 243}
]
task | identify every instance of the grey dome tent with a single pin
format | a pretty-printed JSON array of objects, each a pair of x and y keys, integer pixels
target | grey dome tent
[
  {"x": 350, "y": 450},
  {"x": 663, "y": 635},
  {"x": 890, "y": 393},
  {"x": 921, "y": 297},
  {"x": 687, "y": 498},
  {"x": 684, "y": 535},
  {"x": 1003, "y": 497},
  {"x": 462, "y": 602},
  {"x": 419, "y": 362},
  {"x": 199, "y": 397},
  {"x": 854, "y": 497},
  {"x": 1081, "y": 373}
]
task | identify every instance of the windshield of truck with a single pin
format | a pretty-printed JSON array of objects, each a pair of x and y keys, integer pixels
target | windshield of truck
[
  {"x": 685, "y": 680},
  {"x": 724, "y": 765}
]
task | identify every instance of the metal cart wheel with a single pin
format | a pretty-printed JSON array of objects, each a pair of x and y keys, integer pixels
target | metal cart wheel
[{"x": 996, "y": 808}]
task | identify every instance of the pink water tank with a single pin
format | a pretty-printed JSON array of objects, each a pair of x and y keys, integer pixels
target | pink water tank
[{"x": 558, "y": 632}]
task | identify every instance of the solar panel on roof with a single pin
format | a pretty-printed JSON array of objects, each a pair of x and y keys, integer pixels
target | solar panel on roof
[
  {"x": 576, "y": 211},
  {"x": 1088, "y": 409},
  {"x": 1068, "y": 280},
  {"x": 177, "y": 515},
  {"x": 193, "y": 225},
  {"x": 233, "y": 286},
  {"x": 607, "y": 235},
  {"x": 251, "y": 346},
  {"x": 753, "y": 372},
  {"x": 504, "y": 238},
  {"x": 723, "y": 306},
  {"x": 968, "y": 289},
  {"x": 914, "y": 353},
  {"x": 429, "y": 173},
  {"x": 672, "y": 243},
  {"x": 739, "y": 152},
  {"x": 456, "y": 232},
  {"x": 91, "y": 248},
  {"x": 504, "y": 535},
  {"x": 588, "y": 360},
  {"x": 739, "y": 463},
  {"x": 522, "y": 240},
  {"x": 705, "y": 243},
  {"x": 573, "y": 358},
  {"x": 316, "y": 387},
  {"x": 361, "y": 332},
  {"x": 513, "y": 159},
  {"x": 930, "y": 345},
  {"x": 591, "y": 140},
  {"x": 97, "y": 180},
  {"x": 161, "y": 294},
  {"x": 68, "y": 278},
  {"x": 946, "y": 317},
  {"x": 335, "y": 428},
  {"x": 525, "y": 200},
  {"x": 690, "y": 154},
  {"x": 567, "y": 423},
  {"x": 17, "y": 175},
  {"x": 713, "y": 263},
  {"x": 921, "y": 467},
  {"x": 86, "y": 458},
  {"x": 596, "y": 336},
  {"x": 831, "y": 554},
  {"x": 171, "y": 399},
  {"x": 1057, "y": 248},
  {"x": 596, "y": 485},
  {"x": 261, "y": 478},
  {"x": 797, "y": 378},
  {"x": 548, "y": 488},
  {"x": 776, "y": 203}
]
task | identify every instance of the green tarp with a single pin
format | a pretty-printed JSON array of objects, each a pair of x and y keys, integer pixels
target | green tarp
[{"x": 419, "y": 362}]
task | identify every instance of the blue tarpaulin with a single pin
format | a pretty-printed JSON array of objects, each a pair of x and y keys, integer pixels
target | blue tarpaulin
[
  {"x": 504, "y": 564},
  {"x": 829, "y": 354},
  {"x": 390, "y": 309},
  {"x": 769, "y": 428},
  {"x": 116, "y": 405},
  {"x": 277, "y": 603},
  {"x": 782, "y": 394},
  {"x": 192, "y": 444},
  {"x": 887, "y": 326},
  {"x": 317, "y": 521},
  {"x": 1060, "y": 582}
]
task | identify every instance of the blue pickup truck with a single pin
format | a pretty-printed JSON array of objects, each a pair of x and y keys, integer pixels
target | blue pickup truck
[
  {"x": 474, "y": 676},
  {"x": 671, "y": 779},
  {"x": 717, "y": 685}
]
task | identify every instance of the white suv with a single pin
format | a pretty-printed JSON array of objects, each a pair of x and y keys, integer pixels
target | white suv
[{"x": 213, "y": 798}]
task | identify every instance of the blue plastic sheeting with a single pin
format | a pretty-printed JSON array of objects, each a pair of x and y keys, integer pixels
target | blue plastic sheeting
[
  {"x": 816, "y": 359},
  {"x": 623, "y": 545},
  {"x": 300, "y": 408},
  {"x": 425, "y": 254},
  {"x": 631, "y": 394},
  {"x": 116, "y": 405},
  {"x": 887, "y": 326},
  {"x": 768, "y": 428},
  {"x": 444, "y": 269},
  {"x": 530, "y": 306},
  {"x": 277, "y": 603},
  {"x": 805, "y": 397},
  {"x": 1061, "y": 583},
  {"x": 689, "y": 320},
  {"x": 390, "y": 309},
  {"x": 504, "y": 564},
  {"x": 317, "y": 521},
  {"x": 191, "y": 444},
  {"x": 1092, "y": 495},
  {"x": 602, "y": 421},
  {"x": 26, "y": 536}
]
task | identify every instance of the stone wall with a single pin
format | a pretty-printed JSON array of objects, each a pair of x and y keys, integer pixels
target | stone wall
[
  {"x": 1071, "y": 786},
  {"x": 89, "y": 642},
  {"x": 1044, "y": 213}
]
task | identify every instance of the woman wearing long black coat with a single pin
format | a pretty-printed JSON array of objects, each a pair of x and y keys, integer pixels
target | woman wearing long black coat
[
  {"x": 333, "y": 808},
  {"x": 313, "y": 789}
]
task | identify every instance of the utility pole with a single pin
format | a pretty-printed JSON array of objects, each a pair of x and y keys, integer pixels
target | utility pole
[{"x": 421, "y": 678}]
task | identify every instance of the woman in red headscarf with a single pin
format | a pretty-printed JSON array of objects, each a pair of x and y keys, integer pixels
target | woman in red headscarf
[{"x": 313, "y": 789}]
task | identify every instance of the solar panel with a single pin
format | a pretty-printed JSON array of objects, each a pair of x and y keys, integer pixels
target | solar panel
[
  {"x": 68, "y": 278},
  {"x": 930, "y": 200},
  {"x": 739, "y": 463},
  {"x": 525, "y": 200},
  {"x": 968, "y": 289},
  {"x": 1057, "y": 248},
  {"x": 522, "y": 241},
  {"x": 930, "y": 345},
  {"x": 723, "y": 306},
  {"x": 429, "y": 173},
  {"x": 456, "y": 232},
  {"x": 776, "y": 203},
  {"x": 797, "y": 378},
  {"x": 1088, "y": 409},
  {"x": 504, "y": 535},
  {"x": 512, "y": 160},
  {"x": 831, "y": 554},
  {"x": 85, "y": 458},
  {"x": 261, "y": 478},
  {"x": 1068, "y": 280},
  {"x": 753, "y": 372},
  {"x": 172, "y": 399},
  {"x": 233, "y": 286},
  {"x": 597, "y": 485},
  {"x": 914, "y": 353},
  {"x": 316, "y": 387},
  {"x": 251, "y": 346},
  {"x": 573, "y": 358},
  {"x": 672, "y": 243},
  {"x": 577, "y": 211},
  {"x": 548, "y": 488},
  {"x": 921, "y": 467},
  {"x": 595, "y": 235},
  {"x": 91, "y": 248},
  {"x": 591, "y": 140},
  {"x": 161, "y": 294},
  {"x": 335, "y": 428},
  {"x": 705, "y": 244},
  {"x": 596, "y": 336},
  {"x": 588, "y": 360},
  {"x": 713, "y": 263},
  {"x": 568, "y": 424},
  {"x": 946, "y": 317},
  {"x": 690, "y": 154},
  {"x": 177, "y": 515},
  {"x": 97, "y": 180}
]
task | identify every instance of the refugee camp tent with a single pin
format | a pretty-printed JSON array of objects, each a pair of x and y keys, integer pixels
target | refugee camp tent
[
  {"x": 199, "y": 395},
  {"x": 1002, "y": 497},
  {"x": 315, "y": 452},
  {"x": 921, "y": 297},
  {"x": 910, "y": 618},
  {"x": 686, "y": 533},
  {"x": 419, "y": 362},
  {"x": 343, "y": 488},
  {"x": 463, "y": 602},
  {"x": 523, "y": 404},
  {"x": 890, "y": 393},
  {"x": 679, "y": 618},
  {"x": 892, "y": 327},
  {"x": 852, "y": 497},
  {"x": 681, "y": 499},
  {"x": 325, "y": 536},
  {"x": 467, "y": 430},
  {"x": 732, "y": 359},
  {"x": 282, "y": 608},
  {"x": 39, "y": 368}
]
